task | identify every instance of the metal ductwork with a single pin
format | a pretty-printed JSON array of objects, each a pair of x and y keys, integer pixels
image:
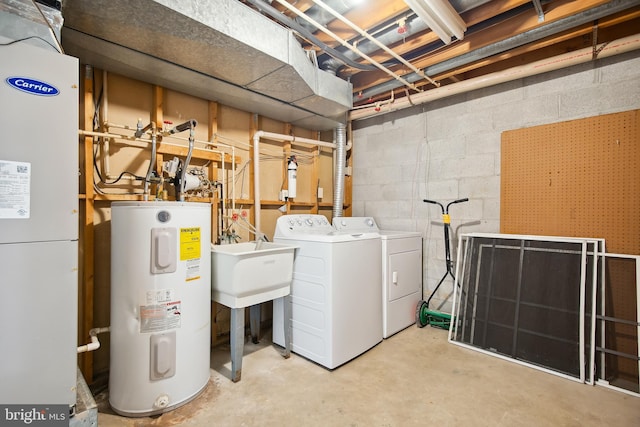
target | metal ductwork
[
  {"x": 320, "y": 15},
  {"x": 35, "y": 25},
  {"x": 248, "y": 62},
  {"x": 340, "y": 163}
]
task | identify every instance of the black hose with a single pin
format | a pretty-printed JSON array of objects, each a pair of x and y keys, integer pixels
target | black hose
[{"x": 189, "y": 124}]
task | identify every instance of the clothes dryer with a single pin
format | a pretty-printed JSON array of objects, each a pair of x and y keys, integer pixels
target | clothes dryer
[
  {"x": 335, "y": 291},
  {"x": 401, "y": 271}
]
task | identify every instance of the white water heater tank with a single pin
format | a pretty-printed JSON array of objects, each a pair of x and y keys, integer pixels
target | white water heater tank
[{"x": 160, "y": 305}]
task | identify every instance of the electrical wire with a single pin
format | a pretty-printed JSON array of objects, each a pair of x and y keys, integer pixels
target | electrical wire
[
  {"x": 53, "y": 34},
  {"x": 415, "y": 188},
  {"x": 427, "y": 167},
  {"x": 240, "y": 174},
  {"x": 231, "y": 141},
  {"x": 28, "y": 38}
]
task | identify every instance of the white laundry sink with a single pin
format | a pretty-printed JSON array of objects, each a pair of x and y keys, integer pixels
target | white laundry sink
[{"x": 244, "y": 274}]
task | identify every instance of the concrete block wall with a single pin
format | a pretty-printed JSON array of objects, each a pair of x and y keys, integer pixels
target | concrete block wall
[{"x": 450, "y": 149}]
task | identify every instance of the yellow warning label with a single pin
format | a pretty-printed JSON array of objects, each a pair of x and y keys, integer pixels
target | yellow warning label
[{"x": 189, "y": 243}]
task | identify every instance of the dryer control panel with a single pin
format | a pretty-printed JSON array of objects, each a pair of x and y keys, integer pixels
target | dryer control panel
[{"x": 355, "y": 223}]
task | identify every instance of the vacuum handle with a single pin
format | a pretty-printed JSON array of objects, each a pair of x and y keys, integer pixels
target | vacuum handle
[
  {"x": 433, "y": 202},
  {"x": 445, "y": 210},
  {"x": 466, "y": 199}
]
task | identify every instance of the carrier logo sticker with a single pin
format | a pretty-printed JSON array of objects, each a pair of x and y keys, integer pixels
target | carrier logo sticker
[{"x": 32, "y": 86}]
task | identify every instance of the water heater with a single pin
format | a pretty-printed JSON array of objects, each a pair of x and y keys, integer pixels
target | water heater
[{"x": 160, "y": 305}]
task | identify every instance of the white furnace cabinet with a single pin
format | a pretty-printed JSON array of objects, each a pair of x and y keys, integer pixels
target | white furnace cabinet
[{"x": 38, "y": 225}]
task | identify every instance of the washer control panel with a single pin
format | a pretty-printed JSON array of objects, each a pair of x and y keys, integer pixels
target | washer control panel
[{"x": 307, "y": 224}]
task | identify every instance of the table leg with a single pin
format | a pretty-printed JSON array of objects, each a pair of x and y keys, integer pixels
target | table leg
[
  {"x": 254, "y": 323},
  {"x": 237, "y": 342},
  {"x": 287, "y": 327}
]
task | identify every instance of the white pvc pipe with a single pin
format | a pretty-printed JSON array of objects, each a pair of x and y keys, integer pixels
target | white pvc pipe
[
  {"x": 625, "y": 44},
  {"x": 94, "y": 344},
  {"x": 256, "y": 178},
  {"x": 223, "y": 196},
  {"x": 256, "y": 162}
]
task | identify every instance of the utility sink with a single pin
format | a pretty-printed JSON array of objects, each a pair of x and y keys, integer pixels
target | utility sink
[{"x": 246, "y": 275}]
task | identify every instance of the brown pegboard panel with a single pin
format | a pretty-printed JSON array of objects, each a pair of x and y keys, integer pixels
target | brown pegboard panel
[
  {"x": 581, "y": 178},
  {"x": 577, "y": 178}
]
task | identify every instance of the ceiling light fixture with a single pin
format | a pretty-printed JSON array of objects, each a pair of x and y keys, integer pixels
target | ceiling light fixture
[{"x": 441, "y": 17}]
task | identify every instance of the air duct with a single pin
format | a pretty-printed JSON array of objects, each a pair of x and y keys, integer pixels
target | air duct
[
  {"x": 204, "y": 48},
  {"x": 341, "y": 159}
]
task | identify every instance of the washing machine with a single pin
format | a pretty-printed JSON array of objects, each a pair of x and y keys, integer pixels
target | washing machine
[
  {"x": 335, "y": 291},
  {"x": 401, "y": 271}
]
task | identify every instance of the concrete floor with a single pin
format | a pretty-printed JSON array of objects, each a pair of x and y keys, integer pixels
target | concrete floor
[{"x": 414, "y": 378}]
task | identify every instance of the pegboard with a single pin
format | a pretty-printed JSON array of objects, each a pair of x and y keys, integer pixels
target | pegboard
[{"x": 579, "y": 178}]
